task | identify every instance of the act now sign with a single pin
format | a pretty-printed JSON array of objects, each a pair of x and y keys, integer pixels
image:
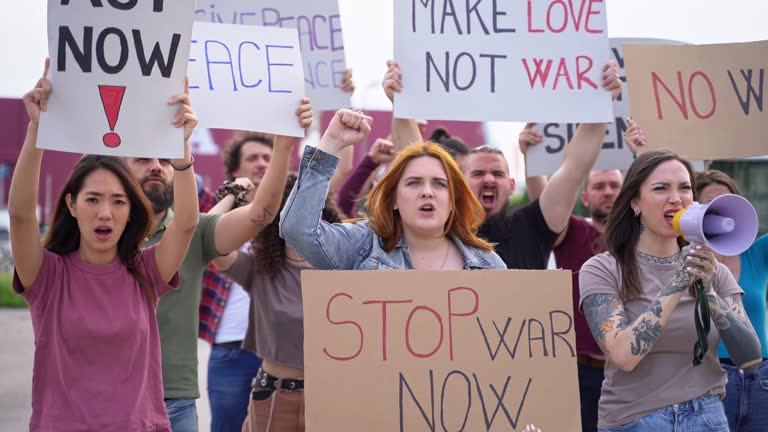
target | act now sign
[
  {"x": 514, "y": 60},
  {"x": 114, "y": 66}
]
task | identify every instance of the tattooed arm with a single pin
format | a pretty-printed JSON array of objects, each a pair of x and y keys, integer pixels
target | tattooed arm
[
  {"x": 625, "y": 344},
  {"x": 736, "y": 330},
  {"x": 242, "y": 224}
]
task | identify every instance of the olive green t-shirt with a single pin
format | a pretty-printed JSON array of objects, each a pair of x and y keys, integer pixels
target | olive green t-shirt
[{"x": 177, "y": 313}]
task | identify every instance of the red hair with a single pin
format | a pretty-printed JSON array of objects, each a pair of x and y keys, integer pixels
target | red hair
[{"x": 464, "y": 220}]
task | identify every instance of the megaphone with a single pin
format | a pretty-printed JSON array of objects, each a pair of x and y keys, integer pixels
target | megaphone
[{"x": 727, "y": 225}]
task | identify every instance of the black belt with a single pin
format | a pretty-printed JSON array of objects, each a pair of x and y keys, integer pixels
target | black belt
[
  {"x": 263, "y": 380},
  {"x": 233, "y": 344}
]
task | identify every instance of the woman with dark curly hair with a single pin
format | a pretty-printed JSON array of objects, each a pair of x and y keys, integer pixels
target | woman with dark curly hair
[{"x": 271, "y": 274}]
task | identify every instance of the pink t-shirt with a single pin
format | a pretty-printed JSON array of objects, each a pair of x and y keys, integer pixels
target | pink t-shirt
[{"x": 97, "y": 347}]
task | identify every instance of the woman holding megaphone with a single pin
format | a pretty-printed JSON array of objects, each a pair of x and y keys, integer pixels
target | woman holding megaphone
[{"x": 639, "y": 303}]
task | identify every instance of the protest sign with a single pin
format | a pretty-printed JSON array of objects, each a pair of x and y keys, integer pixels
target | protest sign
[
  {"x": 510, "y": 60},
  {"x": 114, "y": 66},
  {"x": 703, "y": 102},
  {"x": 546, "y": 158},
  {"x": 246, "y": 78},
  {"x": 439, "y": 350},
  {"x": 318, "y": 25}
]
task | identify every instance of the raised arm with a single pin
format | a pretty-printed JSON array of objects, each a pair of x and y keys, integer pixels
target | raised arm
[
  {"x": 22, "y": 198},
  {"x": 558, "y": 198},
  {"x": 324, "y": 245},
  {"x": 404, "y": 131},
  {"x": 534, "y": 184},
  {"x": 381, "y": 152},
  {"x": 625, "y": 344},
  {"x": 242, "y": 224},
  {"x": 174, "y": 244}
]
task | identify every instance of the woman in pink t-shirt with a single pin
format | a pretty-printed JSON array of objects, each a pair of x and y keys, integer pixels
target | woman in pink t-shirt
[{"x": 91, "y": 292}]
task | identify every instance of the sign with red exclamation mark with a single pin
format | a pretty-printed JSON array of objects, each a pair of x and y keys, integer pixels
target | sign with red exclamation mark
[{"x": 111, "y": 99}]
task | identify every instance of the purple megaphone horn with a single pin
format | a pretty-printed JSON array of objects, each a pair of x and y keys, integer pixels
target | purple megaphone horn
[{"x": 727, "y": 225}]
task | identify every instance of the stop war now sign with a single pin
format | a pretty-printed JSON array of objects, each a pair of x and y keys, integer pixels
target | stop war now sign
[
  {"x": 418, "y": 350},
  {"x": 515, "y": 60}
]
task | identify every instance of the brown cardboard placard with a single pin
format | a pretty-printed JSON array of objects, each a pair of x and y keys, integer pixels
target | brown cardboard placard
[
  {"x": 703, "y": 102},
  {"x": 421, "y": 351}
]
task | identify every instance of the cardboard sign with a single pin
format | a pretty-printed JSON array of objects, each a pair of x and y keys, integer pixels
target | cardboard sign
[
  {"x": 318, "y": 25},
  {"x": 703, "y": 102},
  {"x": 439, "y": 350},
  {"x": 246, "y": 78},
  {"x": 502, "y": 61},
  {"x": 114, "y": 66},
  {"x": 546, "y": 158}
]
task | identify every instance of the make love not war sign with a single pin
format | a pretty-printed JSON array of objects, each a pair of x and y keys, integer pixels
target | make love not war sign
[
  {"x": 439, "y": 350},
  {"x": 546, "y": 157},
  {"x": 318, "y": 25},
  {"x": 502, "y": 60},
  {"x": 114, "y": 67}
]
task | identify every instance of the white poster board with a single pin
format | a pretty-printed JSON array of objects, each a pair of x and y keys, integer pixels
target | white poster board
[
  {"x": 502, "y": 61},
  {"x": 113, "y": 69},
  {"x": 246, "y": 78},
  {"x": 318, "y": 25},
  {"x": 546, "y": 158}
]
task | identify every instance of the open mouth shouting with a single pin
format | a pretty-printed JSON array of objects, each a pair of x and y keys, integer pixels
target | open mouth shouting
[
  {"x": 103, "y": 232},
  {"x": 488, "y": 197},
  {"x": 427, "y": 210},
  {"x": 669, "y": 215}
]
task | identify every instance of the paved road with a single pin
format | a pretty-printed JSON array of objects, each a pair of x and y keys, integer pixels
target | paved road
[{"x": 16, "y": 353}]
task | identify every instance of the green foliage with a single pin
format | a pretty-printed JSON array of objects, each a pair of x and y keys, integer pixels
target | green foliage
[{"x": 8, "y": 298}]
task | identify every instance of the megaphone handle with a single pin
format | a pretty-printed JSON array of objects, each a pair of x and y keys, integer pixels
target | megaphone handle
[{"x": 701, "y": 318}]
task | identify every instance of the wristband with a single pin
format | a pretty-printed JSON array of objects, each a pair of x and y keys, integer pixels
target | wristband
[{"x": 185, "y": 166}]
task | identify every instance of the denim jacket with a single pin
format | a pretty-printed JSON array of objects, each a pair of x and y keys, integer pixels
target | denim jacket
[{"x": 347, "y": 246}]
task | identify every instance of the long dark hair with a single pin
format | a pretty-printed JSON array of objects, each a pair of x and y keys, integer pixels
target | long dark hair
[
  {"x": 622, "y": 231},
  {"x": 64, "y": 234},
  {"x": 268, "y": 248}
]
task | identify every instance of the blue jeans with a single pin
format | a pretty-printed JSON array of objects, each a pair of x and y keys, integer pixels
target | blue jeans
[
  {"x": 703, "y": 414},
  {"x": 183, "y": 414},
  {"x": 230, "y": 371},
  {"x": 746, "y": 399}
]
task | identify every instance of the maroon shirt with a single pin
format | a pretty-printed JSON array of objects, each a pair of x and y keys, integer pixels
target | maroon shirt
[{"x": 582, "y": 242}]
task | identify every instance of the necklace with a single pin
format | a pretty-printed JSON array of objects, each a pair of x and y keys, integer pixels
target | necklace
[{"x": 657, "y": 259}]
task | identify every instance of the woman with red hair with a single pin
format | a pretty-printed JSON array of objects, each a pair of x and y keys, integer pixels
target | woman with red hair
[{"x": 422, "y": 214}]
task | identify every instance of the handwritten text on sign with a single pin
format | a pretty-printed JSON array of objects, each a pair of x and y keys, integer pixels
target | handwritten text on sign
[
  {"x": 318, "y": 25},
  {"x": 114, "y": 66},
  {"x": 439, "y": 350},
  {"x": 546, "y": 158},
  {"x": 704, "y": 102},
  {"x": 246, "y": 78},
  {"x": 506, "y": 60}
]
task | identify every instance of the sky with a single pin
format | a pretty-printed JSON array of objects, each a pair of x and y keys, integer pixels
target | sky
[{"x": 368, "y": 42}]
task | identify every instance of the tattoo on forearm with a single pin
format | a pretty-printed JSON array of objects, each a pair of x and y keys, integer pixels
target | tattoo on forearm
[
  {"x": 656, "y": 308},
  {"x": 646, "y": 332},
  {"x": 265, "y": 219},
  {"x": 604, "y": 314},
  {"x": 681, "y": 280},
  {"x": 736, "y": 330}
]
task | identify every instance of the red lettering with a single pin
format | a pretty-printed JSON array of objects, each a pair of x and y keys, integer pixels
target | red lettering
[
  {"x": 576, "y": 19},
  {"x": 359, "y": 329},
  {"x": 540, "y": 75},
  {"x": 562, "y": 70},
  {"x": 549, "y": 17},
  {"x": 591, "y": 12},
  {"x": 711, "y": 89},
  {"x": 452, "y": 314},
  {"x": 681, "y": 105},
  {"x": 384, "y": 304},
  {"x": 408, "y": 332},
  {"x": 581, "y": 73},
  {"x": 530, "y": 20}
]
